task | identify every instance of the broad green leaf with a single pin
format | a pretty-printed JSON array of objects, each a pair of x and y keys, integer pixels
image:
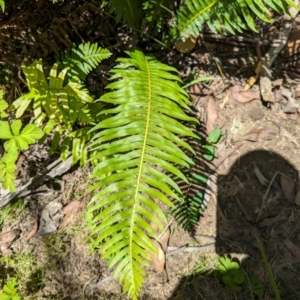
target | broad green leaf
[
  {"x": 15, "y": 127},
  {"x": 214, "y": 136},
  {"x": 3, "y": 106},
  {"x": 5, "y": 132}
]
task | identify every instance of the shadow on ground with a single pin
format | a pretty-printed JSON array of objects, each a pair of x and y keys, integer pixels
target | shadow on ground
[{"x": 250, "y": 209}]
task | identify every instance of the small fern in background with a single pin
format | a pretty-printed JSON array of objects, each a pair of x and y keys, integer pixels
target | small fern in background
[
  {"x": 63, "y": 101},
  {"x": 140, "y": 141}
]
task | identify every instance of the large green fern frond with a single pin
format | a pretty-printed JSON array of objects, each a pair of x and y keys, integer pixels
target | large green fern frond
[
  {"x": 141, "y": 145},
  {"x": 224, "y": 15}
]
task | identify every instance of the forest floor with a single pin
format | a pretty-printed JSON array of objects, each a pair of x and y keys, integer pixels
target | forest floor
[{"x": 253, "y": 190}]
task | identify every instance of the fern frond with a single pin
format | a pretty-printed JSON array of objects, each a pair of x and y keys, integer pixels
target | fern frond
[
  {"x": 129, "y": 11},
  {"x": 141, "y": 145},
  {"x": 156, "y": 12},
  {"x": 64, "y": 103},
  {"x": 224, "y": 15},
  {"x": 83, "y": 59}
]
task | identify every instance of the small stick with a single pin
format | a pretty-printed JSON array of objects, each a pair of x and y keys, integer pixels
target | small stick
[{"x": 267, "y": 192}]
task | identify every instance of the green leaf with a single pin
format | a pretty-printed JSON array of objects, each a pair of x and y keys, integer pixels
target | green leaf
[
  {"x": 149, "y": 107},
  {"x": 15, "y": 127},
  {"x": 214, "y": 136},
  {"x": 3, "y": 106},
  {"x": 29, "y": 135},
  {"x": 5, "y": 132},
  {"x": 2, "y": 5}
]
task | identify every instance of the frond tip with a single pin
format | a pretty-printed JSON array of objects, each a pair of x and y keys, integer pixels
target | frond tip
[{"x": 137, "y": 147}]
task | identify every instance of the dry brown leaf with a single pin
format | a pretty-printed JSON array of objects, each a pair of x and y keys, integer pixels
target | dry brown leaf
[
  {"x": 239, "y": 94},
  {"x": 258, "y": 135},
  {"x": 293, "y": 248},
  {"x": 158, "y": 259},
  {"x": 283, "y": 132},
  {"x": 253, "y": 79},
  {"x": 288, "y": 188},
  {"x": 277, "y": 82},
  {"x": 7, "y": 238},
  {"x": 33, "y": 231},
  {"x": 293, "y": 44},
  {"x": 187, "y": 46},
  {"x": 70, "y": 212},
  {"x": 282, "y": 115},
  {"x": 225, "y": 100},
  {"x": 209, "y": 105},
  {"x": 282, "y": 216}
]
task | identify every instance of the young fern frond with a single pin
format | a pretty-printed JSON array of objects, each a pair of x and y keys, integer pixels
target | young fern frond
[
  {"x": 83, "y": 59},
  {"x": 224, "y": 15},
  {"x": 141, "y": 145}
]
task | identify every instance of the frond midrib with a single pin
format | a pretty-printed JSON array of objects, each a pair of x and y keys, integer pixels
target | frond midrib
[
  {"x": 196, "y": 16},
  {"x": 138, "y": 181}
]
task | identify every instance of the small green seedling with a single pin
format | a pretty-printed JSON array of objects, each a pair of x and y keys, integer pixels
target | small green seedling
[
  {"x": 9, "y": 291},
  {"x": 255, "y": 286},
  {"x": 210, "y": 152},
  {"x": 231, "y": 274}
]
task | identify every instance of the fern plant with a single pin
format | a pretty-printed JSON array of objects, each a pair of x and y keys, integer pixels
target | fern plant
[
  {"x": 140, "y": 141},
  {"x": 63, "y": 101},
  {"x": 224, "y": 15},
  {"x": 9, "y": 291}
]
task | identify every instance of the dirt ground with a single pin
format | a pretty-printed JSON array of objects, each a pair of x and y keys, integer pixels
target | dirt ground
[{"x": 258, "y": 142}]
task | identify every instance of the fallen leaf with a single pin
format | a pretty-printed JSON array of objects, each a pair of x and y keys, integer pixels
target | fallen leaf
[
  {"x": 186, "y": 46},
  {"x": 225, "y": 100},
  {"x": 158, "y": 259},
  {"x": 70, "y": 211},
  {"x": 277, "y": 82},
  {"x": 7, "y": 238},
  {"x": 284, "y": 133},
  {"x": 258, "y": 135},
  {"x": 282, "y": 115},
  {"x": 293, "y": 248},
  {"x": 288, "y": 188},
  {"x": 33, "y": 231},
  {"x": 253, "y": 79},
  {"x": 239, "y": 94},
  {"x": 262, "y": 179},
  {"x": 209, "y": 105},
  {"x": 282, "y": 216}
]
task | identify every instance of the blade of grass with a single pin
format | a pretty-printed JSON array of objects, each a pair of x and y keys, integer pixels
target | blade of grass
[{"x": 269, "y": 271}]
